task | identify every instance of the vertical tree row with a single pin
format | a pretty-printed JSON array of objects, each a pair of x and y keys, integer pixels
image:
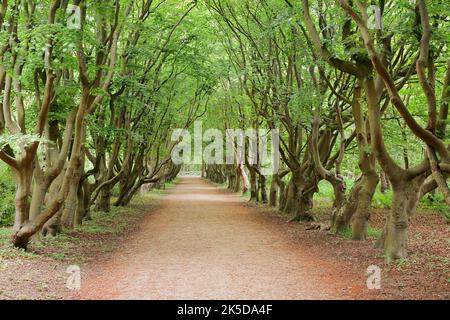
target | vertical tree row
[
  {"x": 91, "y": 91},
  {"x": 320, "y": 72}
]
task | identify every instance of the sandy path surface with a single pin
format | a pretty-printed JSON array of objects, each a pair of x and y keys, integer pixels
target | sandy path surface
[{"x": 204, "y": 243}]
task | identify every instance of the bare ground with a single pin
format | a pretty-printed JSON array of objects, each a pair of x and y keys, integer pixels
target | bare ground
[
  {"x": 200, "y": 242},
  {"x": 425, "y": 274},
  {"x": 205, "y": 244}
]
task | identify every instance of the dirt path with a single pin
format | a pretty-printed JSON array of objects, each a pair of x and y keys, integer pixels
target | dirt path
[{"x": 204, "y": 243}]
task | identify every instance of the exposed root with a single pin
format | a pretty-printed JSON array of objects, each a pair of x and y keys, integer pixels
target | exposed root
[{"x": 319, "y": 226}]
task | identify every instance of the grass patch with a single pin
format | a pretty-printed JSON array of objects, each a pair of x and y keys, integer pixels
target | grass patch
[
  {"x": 7, "y": 250},
  {"x": 347, "y": 233},
  {"x": 11, "y": 252},
  {"x": 5, "y": 235},
  {"x": 113, "y": 222},
  {"x": 405, "y": 263},
  {"x": 173, "y": 184},
  {"x": 436, "y": 203},
  {"x": 325, "y": 191},
  {"x": 58, "y": 256},
  {"x": 372, "y": 233}
]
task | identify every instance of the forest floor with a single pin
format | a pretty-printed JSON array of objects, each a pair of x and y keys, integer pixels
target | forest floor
[{"x": 200, "y": 242}]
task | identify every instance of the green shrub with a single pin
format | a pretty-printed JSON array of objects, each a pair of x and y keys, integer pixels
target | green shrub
[
  {"x": 435, "y": 202},
  {"x": 7, "y": 192},
  {"x": 382, "y": 200}
]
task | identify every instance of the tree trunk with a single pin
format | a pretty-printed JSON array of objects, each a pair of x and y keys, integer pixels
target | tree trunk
[
  {"x": 274, "y": 189},
  {"x": 237, "y": 181},
  {"x": 358, "y": 205},
  {"x": 299, "y": 197},
  {"x": 306, "y": 204},
  {"x": 103, "y": 203},
  {"x": 361, "y": 214},
  {"x": 281, "y": 196},
  {"x": 70, "y": 207},
  {"x": 23, "y": 186},
  {"x": 40, "y": 188},
  {"x": 263, "y": 188},
  {"x": 384, "y": 182},
  {"x": 53, "y": 226},
  {"x": 406, "y": 194},
  {"x": 290, "y": 204},
  {"x": 253, "y": 185},
  {"x": 244, "y": 178},
  {"x": 83, "y": 196}
]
